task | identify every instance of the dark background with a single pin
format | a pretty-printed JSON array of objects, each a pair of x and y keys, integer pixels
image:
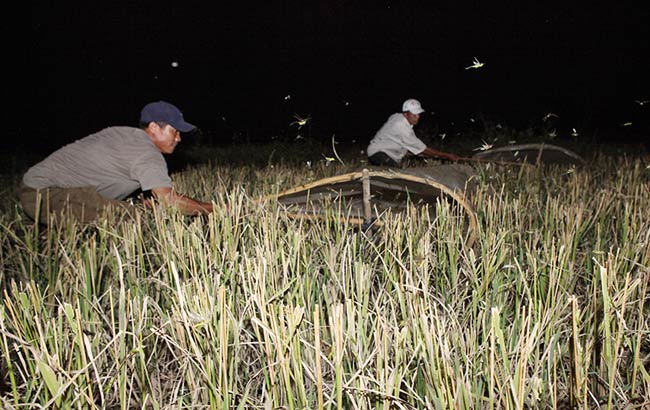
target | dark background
[{"x": 346, "y": 64}]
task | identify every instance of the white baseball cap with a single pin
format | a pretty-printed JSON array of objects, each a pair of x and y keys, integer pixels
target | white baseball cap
[{"x": 412, "y": 105}]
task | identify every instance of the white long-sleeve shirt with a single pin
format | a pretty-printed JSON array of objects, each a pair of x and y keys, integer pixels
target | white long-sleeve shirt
[{"x": 395, "y": 138}]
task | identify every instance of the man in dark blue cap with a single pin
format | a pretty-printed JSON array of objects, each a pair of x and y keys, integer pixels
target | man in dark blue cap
[{"x": 100, "y": 170}]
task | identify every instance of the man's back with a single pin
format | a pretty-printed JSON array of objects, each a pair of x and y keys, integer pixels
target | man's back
[
  {"x": 396, "y": 138},
  {"x": 116, "y": 161}
]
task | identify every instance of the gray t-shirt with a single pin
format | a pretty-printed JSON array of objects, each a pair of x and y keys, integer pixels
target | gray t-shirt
[{"x": 116, "y": 161}]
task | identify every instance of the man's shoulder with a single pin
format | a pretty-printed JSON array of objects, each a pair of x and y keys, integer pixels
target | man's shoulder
[
  {"x": 122, "y": 131},
  {"x": 130, "y": 142},
  {"x": 397, "y": 118},
  {"x": 397, "y": 121},
  {"x": 128, "y": 136}
]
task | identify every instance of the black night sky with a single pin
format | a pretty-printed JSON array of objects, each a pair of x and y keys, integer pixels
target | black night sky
[{"x": 249, "y": 66}]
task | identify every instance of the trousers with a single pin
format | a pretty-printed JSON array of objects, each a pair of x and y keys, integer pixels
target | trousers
[{"x": 84, "y": 204}]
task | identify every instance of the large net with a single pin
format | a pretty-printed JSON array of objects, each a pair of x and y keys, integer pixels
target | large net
[
  {"x": 364, "y": 196},
  {"x": 537, "y": 153}
]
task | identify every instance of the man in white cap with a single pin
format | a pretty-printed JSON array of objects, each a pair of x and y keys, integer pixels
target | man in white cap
[
  {"x": 396, "y": 138},
  {"x": 102, "y": 169}
]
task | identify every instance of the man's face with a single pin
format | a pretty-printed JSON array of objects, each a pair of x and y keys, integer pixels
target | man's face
[
  {"x": 412, "y": 118},
  {"x": 165, "y": 137}
]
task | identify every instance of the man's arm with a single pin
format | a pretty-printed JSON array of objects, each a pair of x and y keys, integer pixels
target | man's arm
[
  {"x": 184, "y": 203},
  {"x": 430, "y": 152}
]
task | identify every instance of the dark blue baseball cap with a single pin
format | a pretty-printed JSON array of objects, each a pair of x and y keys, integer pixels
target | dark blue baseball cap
[{"x": 161, "y": 111}]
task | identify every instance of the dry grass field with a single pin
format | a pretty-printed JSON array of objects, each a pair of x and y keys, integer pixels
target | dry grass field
[{"x": 248, "y": 308}]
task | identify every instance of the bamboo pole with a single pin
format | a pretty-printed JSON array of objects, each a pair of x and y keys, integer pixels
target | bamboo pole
[
  {"x": 367, "y": 210},
  {"x": 493, "y": 161}
]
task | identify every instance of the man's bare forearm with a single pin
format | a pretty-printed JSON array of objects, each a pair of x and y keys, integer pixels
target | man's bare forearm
[
  {"x": 191, "y": 206},
  {"x": 183, "y": 203},
  {"x": 430, "y": 152}
]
